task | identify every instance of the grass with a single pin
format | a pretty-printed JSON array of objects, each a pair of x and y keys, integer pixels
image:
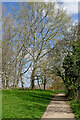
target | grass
[
  {"x": 75, "y": 105},
  {"x": 25, "y": 104},
  {"x": 0, "y": 103}
]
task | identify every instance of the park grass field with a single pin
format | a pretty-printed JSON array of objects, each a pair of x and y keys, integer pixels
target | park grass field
[{"x": 25, "y": 104}]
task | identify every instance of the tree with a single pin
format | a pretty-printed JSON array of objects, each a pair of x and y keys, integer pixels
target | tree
[
  {"x": 7, "y": 51},
  {"x": 72, "y": 69},
  {"x": 39, "y": 28},
  {"x": 43, "y": 72}
]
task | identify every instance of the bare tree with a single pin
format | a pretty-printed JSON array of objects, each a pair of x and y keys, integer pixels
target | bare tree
[{"x": 38, "y": 29}]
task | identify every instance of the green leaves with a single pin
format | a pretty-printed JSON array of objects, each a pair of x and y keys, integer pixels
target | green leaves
[{"x": 71, "y": 65}]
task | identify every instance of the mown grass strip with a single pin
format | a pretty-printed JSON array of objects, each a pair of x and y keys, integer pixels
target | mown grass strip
[{"x": 25, "y": 104}]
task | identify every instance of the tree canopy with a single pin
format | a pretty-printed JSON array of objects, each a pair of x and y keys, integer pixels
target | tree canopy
[{"x": 29, "y": 35}]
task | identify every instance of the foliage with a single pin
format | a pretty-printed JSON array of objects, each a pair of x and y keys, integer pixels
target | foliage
[
  {"x": 75, "y": 105},
  {"x": 71, "y": 65}
]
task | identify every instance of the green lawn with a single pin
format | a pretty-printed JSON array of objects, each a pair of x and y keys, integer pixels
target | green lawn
[
  {"x": 75, "y": 105},
  {"x": 25, "y": 104},
  {"x": 0, "y": 103}
]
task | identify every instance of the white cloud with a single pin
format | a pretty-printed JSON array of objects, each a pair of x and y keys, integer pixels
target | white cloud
[
  {"x": 70, "y": 1},
  {"x": 71, "y": 7}
]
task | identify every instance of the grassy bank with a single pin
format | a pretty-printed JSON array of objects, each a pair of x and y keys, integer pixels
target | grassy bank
[
  {"x": 25, "y": 104},
  {"x": 75, "y": 105}
]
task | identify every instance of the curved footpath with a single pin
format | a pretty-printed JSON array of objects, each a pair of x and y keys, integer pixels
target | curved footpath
[{"x": 59, "y": 108}]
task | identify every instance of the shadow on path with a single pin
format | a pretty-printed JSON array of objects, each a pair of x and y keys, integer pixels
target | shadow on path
[{"x": 58, "y": 108}]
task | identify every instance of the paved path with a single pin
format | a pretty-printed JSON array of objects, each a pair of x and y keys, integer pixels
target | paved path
[{"x": 58, "y": 108}]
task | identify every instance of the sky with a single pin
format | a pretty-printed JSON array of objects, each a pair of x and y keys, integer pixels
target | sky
[
  {"x": 72, "y": 9},
  {"x": 71, "y": 6}
]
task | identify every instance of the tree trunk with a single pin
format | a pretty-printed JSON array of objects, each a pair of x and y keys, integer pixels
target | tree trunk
[
  {"x": 15, "y": 75},
  {"x": 44, "y": 86},
  {"x": 79, "y": 93},
  {"x": 22, "y": 83},
  {"x": 69, "y": 93},
  {"x": 7, "y": 83},
  {"x": 32, "y": 84},
  {"x": 33, "y": 79},
  {"x": 3, "y": 82},
  {"x": 44, "y": 83},
  {"x": 38, "y": 82},
  {"x": 17, "y": 82}
]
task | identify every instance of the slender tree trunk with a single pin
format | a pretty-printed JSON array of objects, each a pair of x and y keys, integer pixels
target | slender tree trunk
[
  {"x": 17, "y": 82},
  {"x": 22, "y": 83},
  {"x": 32, "y": 84},
  {"x": 15, "y": 74},
  {"x": 79, "y": 93},
  {"x": 13, "y": 84},
  {"x": 3, "y": 82},
  {"x": 44, "y": 86},
  {"x": 33, "y": 79},
  {"x": 38, "y": 82},
  {"x": 76, "y": 94},
  {"x": 69, "y": 93},
  {"x": 7, "y": 83},
  {"x": 44, "y": 83}
]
